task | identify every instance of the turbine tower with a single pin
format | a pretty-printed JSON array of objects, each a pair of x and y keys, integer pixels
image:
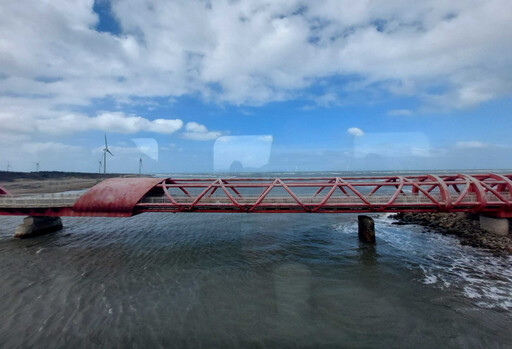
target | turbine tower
[
  {"x": 140, "y": 166},
  {"x": 105, "y": 151}
]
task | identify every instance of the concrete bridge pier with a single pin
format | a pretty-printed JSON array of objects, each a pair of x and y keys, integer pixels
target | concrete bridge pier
[
  {"x": 366, "y": 229},
  {"x": 499, "y": 226},
  {"x": 37, "y": 225}
]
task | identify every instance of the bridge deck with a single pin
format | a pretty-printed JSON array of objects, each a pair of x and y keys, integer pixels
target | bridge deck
[
  {"x": 69, "y": 200},
  {"x": 35, "y": 201},
  {"x": 125, "y": 197}
]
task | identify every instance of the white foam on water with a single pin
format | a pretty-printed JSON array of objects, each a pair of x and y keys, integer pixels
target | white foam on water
[{"x": 475, "y": 273}]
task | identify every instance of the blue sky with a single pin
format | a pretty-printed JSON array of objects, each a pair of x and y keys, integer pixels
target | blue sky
[{"x": 260, "y": 85}]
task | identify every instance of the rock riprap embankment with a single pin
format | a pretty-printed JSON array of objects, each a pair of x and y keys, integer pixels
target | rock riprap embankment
[{"x": 465, "y": 227}]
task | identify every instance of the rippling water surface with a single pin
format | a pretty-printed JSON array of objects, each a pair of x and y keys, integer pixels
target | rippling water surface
[{"x": 239, "y": 280}]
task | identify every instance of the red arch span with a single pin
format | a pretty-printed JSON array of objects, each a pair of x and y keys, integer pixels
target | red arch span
[{"x": 115, "y": 196}]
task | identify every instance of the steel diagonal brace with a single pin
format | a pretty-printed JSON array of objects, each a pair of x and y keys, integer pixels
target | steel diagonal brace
[
  {"x": 263, "y": 195},
  {"x": 322, "y": 188},
  {"x": 464, "y": 192},
  {"x": 495, "y": 192},
  {"x": 380, "y": 186},
  {"x": 417, "y": 187},
  {"x": 480, "y": 193},
  {"x": 395, "y": 195},
  {"x": 293, "y": 195},
  {"x": 508, "y": 184},
  {"x": 328, "y": 196},
  {"x": 4, "y": 191},
  {"x": 169, "y": 196},
  {"x": 355, "y": 191},
  {"x": 229, "y": 196},
  {"x": 332, "y": 180},
  {"x": 233, "y": 188},
  {"x": 202, "y": 194},
  {"x": 443, "y": 189},
  {"x": 181, "y": 188}
]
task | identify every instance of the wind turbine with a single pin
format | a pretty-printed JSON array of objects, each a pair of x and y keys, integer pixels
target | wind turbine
[
  {"x": 140, "y": 166},
  {"x": 105, "y": 151},
  {"x": 100, "y": 167}
]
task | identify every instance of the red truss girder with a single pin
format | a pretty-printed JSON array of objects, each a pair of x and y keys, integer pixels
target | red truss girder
[
  {"x": 117, "y": 197},
  {"x": 490, "y": 193}
]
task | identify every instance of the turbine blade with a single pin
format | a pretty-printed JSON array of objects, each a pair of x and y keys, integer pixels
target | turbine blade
[
  {"x": 106, "y": 146},
  {"x": 108, "y": 151}
]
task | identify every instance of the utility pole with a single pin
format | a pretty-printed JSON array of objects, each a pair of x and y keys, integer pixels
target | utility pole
[
  {"x": 37, "y": 167},
  {"x": 8, "y": 166}
]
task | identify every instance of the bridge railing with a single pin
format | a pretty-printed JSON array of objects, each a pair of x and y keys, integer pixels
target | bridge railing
[
  {"x": 459, "y": 192},
  {"x": 379, "y": 199},
  {"x": 40, "y": 200},
  {"x": 430, "y": 192}
]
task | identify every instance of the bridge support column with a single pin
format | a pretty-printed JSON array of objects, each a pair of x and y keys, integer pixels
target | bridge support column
[
  {"x": 37, "y": 225},
  {"x": 499, "y": 226},
  {"x": 366, "y": 228}
]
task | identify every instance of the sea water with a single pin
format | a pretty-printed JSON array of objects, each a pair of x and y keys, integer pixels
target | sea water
[{"x": 249, "y": 280}]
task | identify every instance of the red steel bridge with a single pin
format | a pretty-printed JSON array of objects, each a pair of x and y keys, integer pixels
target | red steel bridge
[{"x": 121, "y": 197}]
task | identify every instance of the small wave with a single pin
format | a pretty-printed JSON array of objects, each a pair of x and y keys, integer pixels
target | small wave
[{"x": 445, "y": 263}]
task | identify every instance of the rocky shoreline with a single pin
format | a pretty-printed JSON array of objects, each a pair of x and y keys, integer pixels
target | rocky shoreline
[{"x": 465, "y": 227}]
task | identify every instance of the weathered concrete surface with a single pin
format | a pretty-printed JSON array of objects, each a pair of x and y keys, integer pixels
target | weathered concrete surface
[
  {"x": 366, "y": 229},
  {"x": 493, "y": 225},
  {"x": 34, "y": 226}
]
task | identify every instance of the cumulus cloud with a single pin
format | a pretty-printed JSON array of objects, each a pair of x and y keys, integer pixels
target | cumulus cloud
[
  {"x": 116, "y": 122},
  {"x": 199, "y": 132},
  {"x": 243, "y": 52},
  {"x": 355, "y": 131},
  {"x": 253, "y": 52},
  {"x": 59, "y": 123}
]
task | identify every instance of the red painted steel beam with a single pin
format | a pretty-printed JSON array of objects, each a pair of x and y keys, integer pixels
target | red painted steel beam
[
  {"x": 122, "y": 197},
  {"x": 3, "y": 191}
]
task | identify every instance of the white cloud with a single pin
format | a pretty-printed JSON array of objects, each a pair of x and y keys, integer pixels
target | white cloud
[
  {"x": 355, "y": 131},
  {"x": 471, "y": 144},
  {"x": 115, "y": 122},
  {"x": 253, "y": 52},
  {"x": 243, "y": 52},
  {"x": 199, "y": 132},
  {"x": 59, "y": 122},
  {"x": 400, "y": 112}
]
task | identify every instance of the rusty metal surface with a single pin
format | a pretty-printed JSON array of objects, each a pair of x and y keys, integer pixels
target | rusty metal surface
[{"x": 114, "y": 196}]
